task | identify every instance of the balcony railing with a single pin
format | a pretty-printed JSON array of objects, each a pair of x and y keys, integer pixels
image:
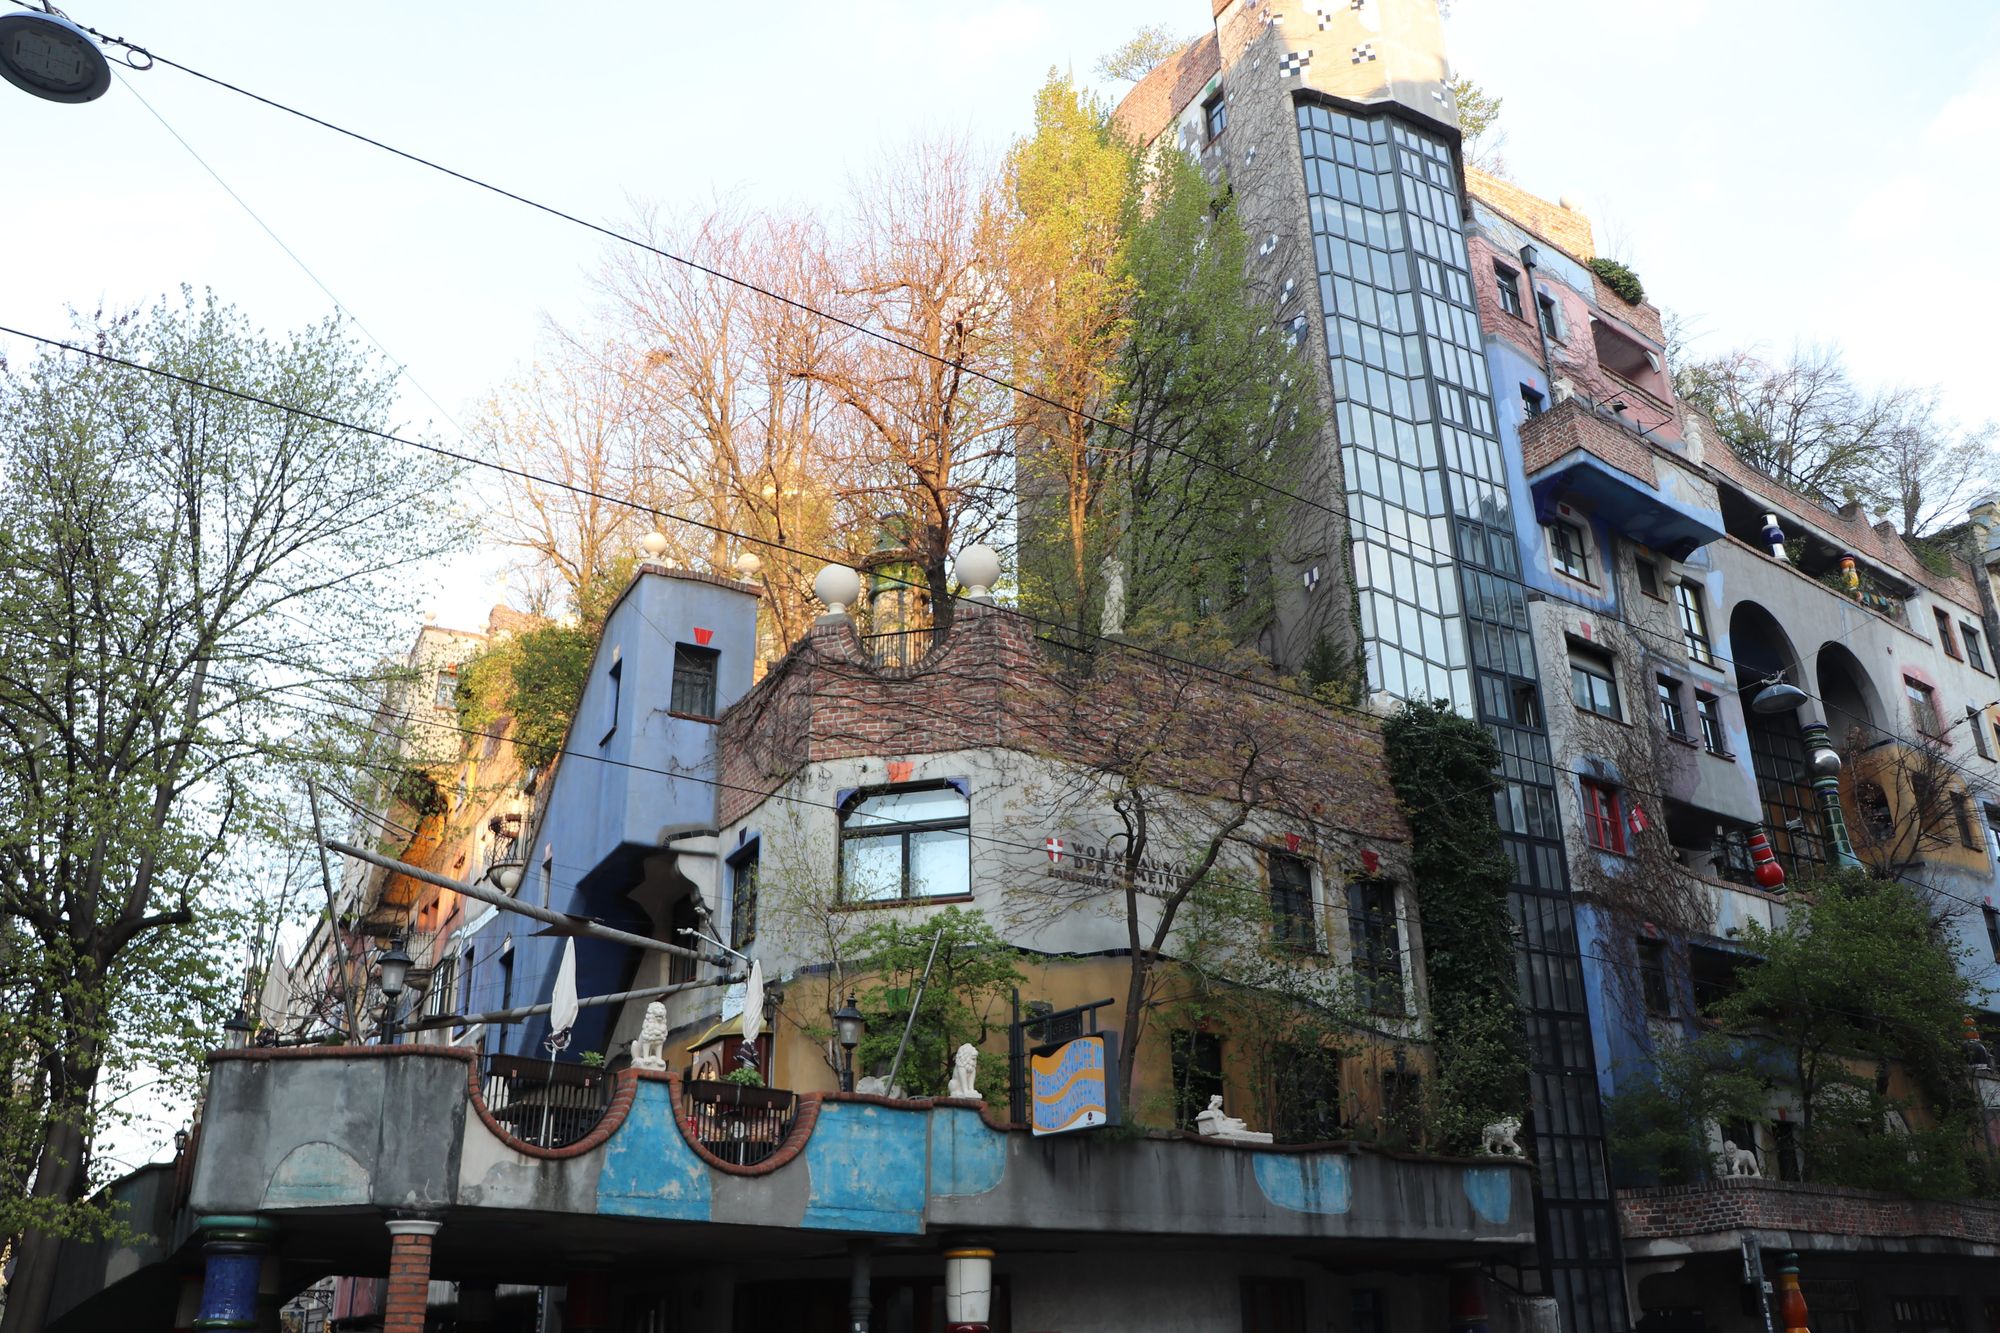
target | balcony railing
[
  {"x": 740, "y": 1125},
  {"x": 898, "y": 648},
  {"x": 550, "y": 1106}
]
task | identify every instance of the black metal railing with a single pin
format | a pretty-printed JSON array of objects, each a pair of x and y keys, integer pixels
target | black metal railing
[
  {"x": 549, "y": 1108},
  {"x": 740, "y": 1125},
  {"x": 898, "y": 648}
]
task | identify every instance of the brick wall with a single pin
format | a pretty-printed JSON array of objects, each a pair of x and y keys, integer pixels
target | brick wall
[
  {"x": 988, "y": 684},
  {"x": 1775, "y": 1205},
  {"x": 1521, "y": 330},
  {"x": 1567, "y": 230},
  {"x": 1157, "y": 100},
  {"x": 1570, "y": 426}
]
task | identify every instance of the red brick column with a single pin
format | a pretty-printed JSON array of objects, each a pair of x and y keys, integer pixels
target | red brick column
[{"x": 409, "y": 1274}]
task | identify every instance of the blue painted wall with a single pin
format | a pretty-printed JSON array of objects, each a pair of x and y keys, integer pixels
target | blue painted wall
[{"x": 631, "y": 771}]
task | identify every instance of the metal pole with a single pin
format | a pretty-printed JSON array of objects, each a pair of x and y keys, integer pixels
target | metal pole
[
  {"x": 575, "y": 925},
  {"x": 916, "y": 1000},
  {"x": 389, "y": 1019},
  {"x": 333, "y": 932},
  {"x": 530, "y": 1010}
]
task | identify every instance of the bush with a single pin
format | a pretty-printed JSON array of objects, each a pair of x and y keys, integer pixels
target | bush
[
  {"x": 1620, "y": 279},
  {"x": 534, "y": 677}
]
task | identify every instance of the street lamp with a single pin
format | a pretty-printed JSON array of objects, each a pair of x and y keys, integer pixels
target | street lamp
[
  {"x": 52, "y": 58},
  {"x": 395, "y": 970},
  {"x": 848, "y": 1025},
  {"x": 236, "y": 1032}
]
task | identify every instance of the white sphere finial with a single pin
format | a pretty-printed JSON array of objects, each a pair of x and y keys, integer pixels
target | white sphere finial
[
  {"x": 654, "y": 544},
  {"x": 978, "y": 568},
  {"x": 837, "y": 586},
  {"x": 749, "y": 565}
]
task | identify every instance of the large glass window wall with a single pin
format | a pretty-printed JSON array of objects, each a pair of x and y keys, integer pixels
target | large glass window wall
[{"x": 1443, "y": 611}]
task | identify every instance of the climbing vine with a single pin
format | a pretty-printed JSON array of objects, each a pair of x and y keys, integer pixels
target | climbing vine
[{"x": 1442, "y": 764}]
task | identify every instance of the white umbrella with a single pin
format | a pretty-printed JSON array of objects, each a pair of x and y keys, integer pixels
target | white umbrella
[
  {"x": 562, "y": 1018},
  {"x": 753, "y": 1004},
  {"x": 562, "y": 1000}
]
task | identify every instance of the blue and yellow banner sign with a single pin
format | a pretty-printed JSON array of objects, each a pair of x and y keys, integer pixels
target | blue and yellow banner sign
[{"x": 1074, "y": 1085}]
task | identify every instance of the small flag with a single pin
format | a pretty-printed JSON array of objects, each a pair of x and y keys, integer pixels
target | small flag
[
  {"x": 900, "y": 770},
  {"x": 1638, "y": 820},
  {"x": 1370, "y": 862},
  {"x": 1292, "y": 841},
  {"x": 1053, "y": 847},
  {"x": 702, "y": 636}
]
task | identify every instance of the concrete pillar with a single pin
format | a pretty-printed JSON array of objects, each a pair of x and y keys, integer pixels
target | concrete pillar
[
  {"x": 587, "y": 1307},
  {"x": 233, "y": 1250},
  {"x": 475, "y": 1307},
  {"x": 860, "y": 1280},
  {"x": 968, "y": 1288},
  {"x": 409, "y": 1274}
]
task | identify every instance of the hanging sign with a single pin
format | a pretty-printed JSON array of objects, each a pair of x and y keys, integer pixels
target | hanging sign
[{"x": 1074, "y": 1085}]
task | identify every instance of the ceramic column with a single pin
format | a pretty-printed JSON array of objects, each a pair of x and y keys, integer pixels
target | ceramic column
[
  {"x": 968, "y": 1288},
  {"x": 233, "y": 1250},
  {"x": 409, "y": 1274}
]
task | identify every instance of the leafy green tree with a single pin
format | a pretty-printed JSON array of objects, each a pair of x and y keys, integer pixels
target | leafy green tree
[
  {"x": 195, "y": 581},
  {"x": 1219, "y": 408},
  {"x": 1139, "y": 54},
  {"x": 1478, "y": 114},
  {"x": 1860, "y": 974},
  {"x": 1657, "y": 1122},
  {"x": 964, "y": 1001},
  {"x": 1072, "y": 187},
  {"x": 535, "y": 677}
]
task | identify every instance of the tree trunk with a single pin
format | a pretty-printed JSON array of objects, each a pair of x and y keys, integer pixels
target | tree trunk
[
  {"x": 1128, "y": 1039},
  {"x": 59, "y": 1176}
]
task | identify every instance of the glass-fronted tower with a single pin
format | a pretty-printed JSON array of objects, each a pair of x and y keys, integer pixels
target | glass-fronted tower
[{"x": 1338, "y": 137}]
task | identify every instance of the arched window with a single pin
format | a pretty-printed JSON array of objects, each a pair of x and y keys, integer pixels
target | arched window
[{"x": 908, "y": 842}]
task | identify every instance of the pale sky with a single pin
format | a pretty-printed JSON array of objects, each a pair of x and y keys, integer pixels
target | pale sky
[{"x": 1777, "y": 170}]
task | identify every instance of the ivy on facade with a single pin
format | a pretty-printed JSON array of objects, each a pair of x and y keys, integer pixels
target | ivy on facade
[{"x": 1442, "y": 765}]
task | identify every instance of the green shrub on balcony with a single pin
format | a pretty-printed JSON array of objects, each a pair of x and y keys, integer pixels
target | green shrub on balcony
[{"x": 1621, "y": 279}]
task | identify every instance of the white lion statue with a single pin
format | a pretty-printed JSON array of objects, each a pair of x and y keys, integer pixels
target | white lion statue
[
  {"x": 1502, "y": 1138},
  {"x": 649, "y": 1048},
  {"x": 965, "y": 1072},
  {"x": 1738, "y": 1161}
]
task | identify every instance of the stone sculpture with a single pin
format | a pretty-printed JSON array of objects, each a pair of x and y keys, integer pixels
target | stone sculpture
[
  {"x": 1502, "y": 1138},
  {"x": 649, "y": 1047},
  {"x": 965, "y": 1072},
  {"x": 1213, "y": 1124},
  {"x": 877, "y": 1085},
  {"x": 1738, "y": 1161}
]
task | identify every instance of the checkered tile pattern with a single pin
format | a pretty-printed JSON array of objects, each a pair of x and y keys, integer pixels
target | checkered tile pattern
[
  {"x": 1295, "y": 62},
  {"x": 1364, "y": 52}
]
